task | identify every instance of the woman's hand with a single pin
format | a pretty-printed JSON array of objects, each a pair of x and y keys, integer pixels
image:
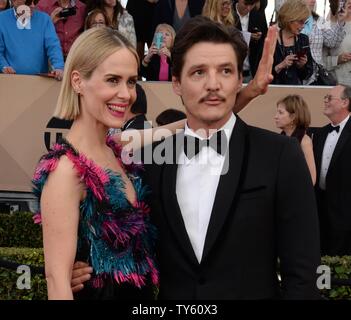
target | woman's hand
[
  {"x": 165, "y": 51},
  {"x": 152, "y": 51},
  {"x": 289, "y": 61},
  {"x": 300, "y": 63}
]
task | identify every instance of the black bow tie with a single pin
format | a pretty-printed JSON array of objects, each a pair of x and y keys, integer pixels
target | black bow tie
[
  {"x": 331, "y": 128},
  {"x": 193, "y": 145}
]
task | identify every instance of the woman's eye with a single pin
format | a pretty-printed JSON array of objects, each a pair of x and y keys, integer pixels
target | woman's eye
[{"x": 132, "y": 83}]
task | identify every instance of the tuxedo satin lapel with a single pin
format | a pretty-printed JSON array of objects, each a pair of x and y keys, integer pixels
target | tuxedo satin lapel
[
  {"x": 228, "y": 184},
  {"x": 170, "y": 204},
  {"x": 345, "y": 135}
]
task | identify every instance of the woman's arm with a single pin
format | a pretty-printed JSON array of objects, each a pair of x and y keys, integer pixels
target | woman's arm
[
  {"x": 136, "y": 139},
  {"x": 263, "y": 77},
  {"x": 307, "y": 148},
  {"x": 60, "y": 215}
]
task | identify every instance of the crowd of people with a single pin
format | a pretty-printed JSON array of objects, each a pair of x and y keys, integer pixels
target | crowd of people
[
  {"x": 307, "y": 44},
  {"x": 218, "y": 203}
]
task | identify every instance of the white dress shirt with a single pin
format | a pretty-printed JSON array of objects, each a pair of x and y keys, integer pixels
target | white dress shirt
[
  {"x": 244, "y": 21},
  {"x": 196, "y": 186},
  {"x": 328, "y": 150}
]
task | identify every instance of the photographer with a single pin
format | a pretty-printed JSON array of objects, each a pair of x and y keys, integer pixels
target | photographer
[
  {"x": 156, "y": 65},
  {"x": 292, "y": 57},
  {"x": 68, "y": 17}
]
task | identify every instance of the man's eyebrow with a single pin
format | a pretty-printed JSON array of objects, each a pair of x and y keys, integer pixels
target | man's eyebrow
[{"x": 197, "y": 66}]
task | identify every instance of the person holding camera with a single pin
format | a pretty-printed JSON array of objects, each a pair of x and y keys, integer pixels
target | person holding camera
[
  {"x": 253, "y": 25},
  {"x": 292, "y": 58},
  {"x": 68, "y": 17},
  {"x": 156, "y": 65}
]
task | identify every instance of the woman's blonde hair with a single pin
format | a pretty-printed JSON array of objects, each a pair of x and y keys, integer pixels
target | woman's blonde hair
[
  {"x": 212, "y": 9},
  {"x": 292, "y": 10},
  {"x": 169, "y": 28},
  {"x": 88, "y": 51},
  {"x": 296, "y": 105}
]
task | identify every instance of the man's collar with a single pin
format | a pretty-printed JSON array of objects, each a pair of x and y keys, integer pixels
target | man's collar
[{"x": 227, "y": 127}]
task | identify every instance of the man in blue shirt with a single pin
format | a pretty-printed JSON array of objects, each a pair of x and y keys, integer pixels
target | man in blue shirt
[{"x": 28, "y": 42}]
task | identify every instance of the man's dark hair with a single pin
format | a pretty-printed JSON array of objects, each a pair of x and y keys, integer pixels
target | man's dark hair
[
  {"x": 169, "y": 116},
  {"x": 140, "y": 104},
  {"x": 202, "y": 29},
  {"x": 251, "y": 2},
  {"x": 346, "y": 94}
]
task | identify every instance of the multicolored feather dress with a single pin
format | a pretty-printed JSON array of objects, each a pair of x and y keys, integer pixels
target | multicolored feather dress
[{"x": 115, "y": 237}]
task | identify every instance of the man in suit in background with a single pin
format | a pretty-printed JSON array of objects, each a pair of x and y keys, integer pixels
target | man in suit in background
[
  {"x": 332, "y": 151},
  {"x": 228, "y": 199},
  {"x": 249, "y": 20}
]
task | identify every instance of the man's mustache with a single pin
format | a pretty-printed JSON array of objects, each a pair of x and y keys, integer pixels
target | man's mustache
[{"x": 210, "y": 96}]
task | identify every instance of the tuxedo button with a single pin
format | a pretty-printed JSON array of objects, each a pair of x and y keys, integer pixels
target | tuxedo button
[{"x": 202, "y": 281}]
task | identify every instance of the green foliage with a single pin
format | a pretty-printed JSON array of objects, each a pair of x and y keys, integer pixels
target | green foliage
[
  {"x": 8, "y": 278},
  {"x": 340, "y": 268},
  {"x": 18, "y": 230}
]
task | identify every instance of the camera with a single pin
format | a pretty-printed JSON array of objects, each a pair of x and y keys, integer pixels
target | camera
[
  {"x": 158, "y": 40},
  {"x": 67, "y": 12}
]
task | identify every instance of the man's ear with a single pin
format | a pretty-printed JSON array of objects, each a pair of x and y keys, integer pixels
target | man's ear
[
  {"x": 176, "y": 86},
  {"x": 76, "y": 81}
]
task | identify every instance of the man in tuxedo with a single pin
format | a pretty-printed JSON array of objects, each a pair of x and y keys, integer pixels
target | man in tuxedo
[
  {"x": 220, "y": 235},
  {"x": 254, "y": 26},
  {"x": 228, "y": 199},
  {"x": 332, "y": 151}
]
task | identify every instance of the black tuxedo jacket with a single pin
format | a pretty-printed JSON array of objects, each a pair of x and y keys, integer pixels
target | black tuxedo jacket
[
  {"x": 264, "y": 209},
  {"x": 338, "y": 179},
  {"x": 257, "y": 19}
]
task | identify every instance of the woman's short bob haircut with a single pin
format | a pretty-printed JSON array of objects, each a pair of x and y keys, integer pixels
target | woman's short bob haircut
[
  {"x": 88, "y": 51},
  {"x": 297, "y": 106},
  {"x": 292, "y": 10},
  {"x": 169, "y": 28}
]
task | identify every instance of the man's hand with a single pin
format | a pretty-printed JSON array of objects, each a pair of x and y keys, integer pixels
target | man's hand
[
  {"x": 55, "y": 14},
  {"x": 80, "y": 273},
  {"x": 256, "y": 35},
  {"x": 344, "y": 57},
  {"x": 58, "y": 73},
  {"x": 8, "y": 70}
]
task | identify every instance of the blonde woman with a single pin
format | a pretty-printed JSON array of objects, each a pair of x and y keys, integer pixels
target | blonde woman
[
  {"x": 156, "y": 65},
  {"x": 220, "y": 11},
  {"x": 92, "y": 205},
  {"x": 292, "y": 58},
  {"x": 293, "y": 118}
]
